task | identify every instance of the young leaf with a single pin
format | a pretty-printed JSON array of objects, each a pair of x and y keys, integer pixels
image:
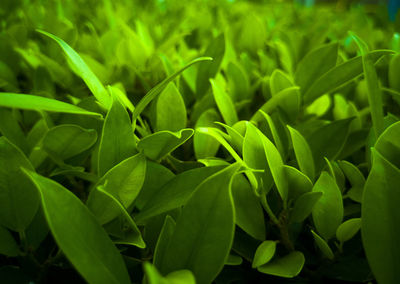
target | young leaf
[
  {"x": 123, "y": 182},
  {"x": 37, "y": 103},
  {"x": 323, "y": 246},
  {"x": 356, "y": 179},
  {"x": 170, "y": 110},
  {"x": 204, "y": 145},
  {"x": 279, "y": 81},
  {"x": 80, "y": 67},
  {"x": 298, "y": 182},
  {"x": 216, "y": 50},
  {"x": 380, "y": 218},
  {"x": 208, "y": 213},
  {"x": 19, "y": 200},
  {"x": 156, "y": 146},
  {"x": 348, "y": 229},
  {"x": 264, "y": 253},
  {"x": 303, "y": 153},
  {"x": 316, "y": 63},
  {"x": 224, "y": 103},
  {"x": 92, "y": 254},
  {"x": 117, "y": 138},
  {"x": 288, "y": 266},
  {"x": 75, "y": 140},
  {"x": 328, "y": 211}
]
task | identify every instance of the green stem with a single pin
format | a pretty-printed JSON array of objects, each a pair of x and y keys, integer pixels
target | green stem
[{"x": 271, "y": 214}]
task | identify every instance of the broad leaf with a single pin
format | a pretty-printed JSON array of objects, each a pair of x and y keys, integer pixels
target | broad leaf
[
  {"x": 348, "y": 229},
  {"x": 224, "y": 103},
  {"x": 288, "y": 266},
  {"x": 323, "y": 246},
  {"x": 304, "y": 206},
  {"x": 264, "y": 253},
  {"x": 8, "y": 245}
]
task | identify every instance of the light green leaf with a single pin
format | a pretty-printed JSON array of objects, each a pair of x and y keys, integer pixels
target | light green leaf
[
  {"x": 303, "y": 153},
  {"x": 170, "y": 110},
  {"x": 279, "y": 81},
  {"x": 298, "y": 182},
  {"x": 224, "y": 103},
  {"x": 388, "y": 144},
  {"x": 75, "y": 140},
  {"x": 348, "y": 229},
  {"x": 328, "y": 211},
  {"x": 18, "y": 198},
  {"x": 92, "y": 254},
  {"x": 380, "y": 218},
  {"x": 163, "y": 239},
  {"x": 323, "y": 246},
  {"x": 83, "y": 71},
  {"x": 37, "y": 103},
  {"x": 356, "y": 179},
  {"x": 264, "y": 253},
  {"x": 304, "y": 206},
  {"x": 156, "y": 146},
  {"x": 204, "y": 145},
  {"x": 123, "y": 182},
  {"x": 238, "y": 82},
  {"x": 117, "y": 138},
  {"x": 288, "y": 266},
  {"x": 208, "y": 213}
]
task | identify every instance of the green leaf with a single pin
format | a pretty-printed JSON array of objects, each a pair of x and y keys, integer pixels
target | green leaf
[
  {"x": 279, "y": 81},
  {"x": 224, "y": 103},
  {"x": 204, "y": 145},
  {"x": 216, "y": 50},
  {"x": 92, "y": 253},
  {"x": 37, "y": 103},
  {"x": 75, "y": 140},
  {"x": 156, "y": 146},
  {"x": 170, "y": 110},
  {"x": 83, "y": 71},
  {"x": 316, "y": 63},
  {"x": 288, "y": 266},
  {"x": 356, "y": 179},
  {"x": 323, "y": 246},
  {"x": 298, "y": 182},
  {"x": 8, "y": 245},
  {"x": 329, "y": 140},
  {"x": 303, "y": 153},
  {"x": 123, "y": 182},
  {"x": 388, "y": 144},
  {"x": 175, "y": 277},
  {"x": 304, "y": 206},
  {"x": 380, "y": 218},
  {"x": 11, "y": 129},
  {"x": 117, "y": 138},
  {"x": 155, "y": 91},
  {"x": 208, "y": 213},
  {"x": 163, "y": 239},
  {"x": 238, "y": 81},
  {"x": 348, "y": 229},
  {"x": 394, "y": 69},
  {"x": 175, "y": 192},
  {"x": 340, "y": 75},
  {"x": 135, "y": 237},
  {"x": 18, "y": 198},
  {"x": 328, "y": 211},
  {"x": 264, "y": 253}
]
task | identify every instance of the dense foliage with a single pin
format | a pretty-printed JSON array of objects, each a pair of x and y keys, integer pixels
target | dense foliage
[{"x": 198, "y": 142}]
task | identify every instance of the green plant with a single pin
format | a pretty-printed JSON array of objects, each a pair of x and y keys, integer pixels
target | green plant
[{"x": 246, "y": 143}]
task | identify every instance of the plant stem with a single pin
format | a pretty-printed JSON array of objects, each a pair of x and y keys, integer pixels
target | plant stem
[{"x": 271, "y": 214}]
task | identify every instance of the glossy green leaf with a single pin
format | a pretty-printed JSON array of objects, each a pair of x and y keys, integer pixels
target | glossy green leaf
[
  {"x": 288, "y": 266},
  {"x": 224, "y": 103},
  {"x": 155, "y": 91},
  {"x": 92, "y": 254},
  {"x": 323, "y": 246},
  {"x": 207, "y": 70},
  {"x": 204, "y": 145},
  {"x": 156, "y": 146},
  {"x": 163, "y": 239},
  {"x": 8, "y": 245},
  {"x": 75, "y": 140},
  {"x": 117, "y": 138},
  {"x": 348, "y": 229},
  {"x": 303, "y": 153},
  {"x": 175, "y": 192},
  {"x": 298, "y": 182},
  {"x": 81, "y": 68},
  {"x": 340, "y": 75},
  {"x": 328, "y": 211},
  {"x": 316, "y": 63},
  {"x": 208, "y": 213},
  {"x": 304, "y": 206},
  {"x": 37, "y": 103},
  {"x": 18, "y": 197},
  {"x": 170, "y": 110},
  {"x": 123, "y": 182},
  {"x": 380, "y": 218},
  {"x": 264, "y": 253}
]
